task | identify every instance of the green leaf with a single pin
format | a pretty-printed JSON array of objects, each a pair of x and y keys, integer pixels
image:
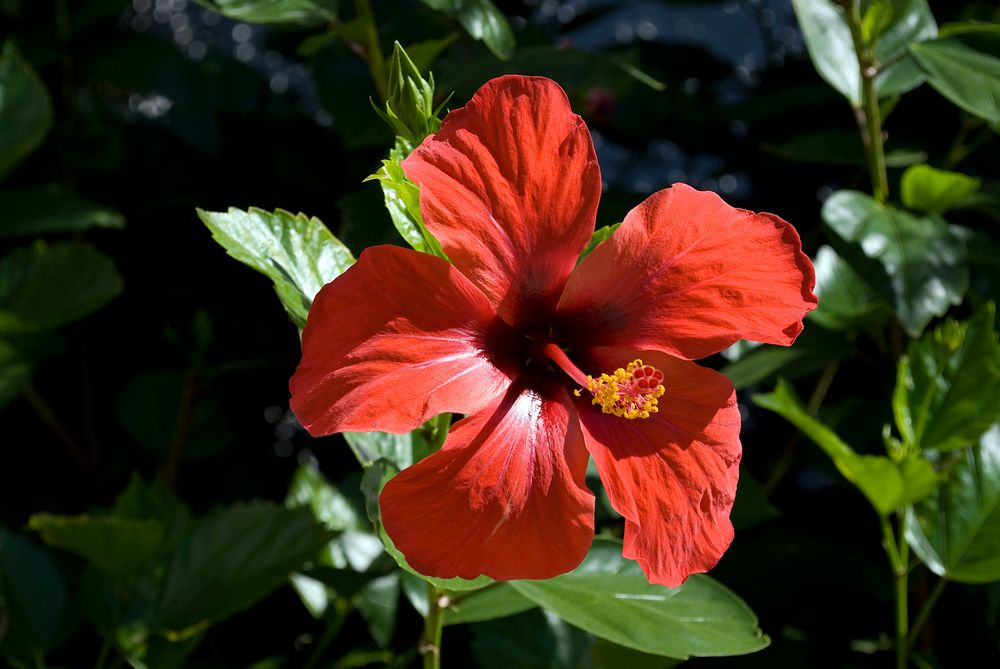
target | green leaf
[
  {"x": 837, "y": 147},
  {"x": 44, "y": 287},
  {"x": 376, "y": 475},
  {"x": 33, "y": 212},
  {"x": 831, "y": 48},
  {"x": 235, "y": 557},
  {"x": 402, "y": 200},
  {"x": 402, "y": 450},
  {"x": 118, "y": 546},
  {"x": 535, "y": 639},
  {"x": 300, "y": 12},
  {"x": 966, "y": 70},
  {"x": 16, "y": 371},
  {"x": 948, "y": 383},
  {"x": 299, "y": 254},
  {"x": 493, "y": 601},
  {"x": 610, "y": 597},
  {"x": 875, "y": 18},
  {"x": 936, "y": 191},
  {"x": 607, "y": 655},
  {"x": 921, "y": 262},
  {"x": 32, "y": 594},
  {"x": 846, "y": 302},
  {"x": 25, "y": 109},
  {"x": 482, "y": 20},
  {"x": 888, "y": 485},
  {"x": 957, "y": 531},
  {"x": 600, "y": 235},
  {"x": 377, "y": 603},
  {"x": 811, "y": 352},
  {"x": 148, "y": 408},
  {"x": 751, "y": 506}
]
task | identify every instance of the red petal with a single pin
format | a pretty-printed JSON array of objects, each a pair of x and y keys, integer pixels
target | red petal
[
  {"x": 673, "y": 475},
  {"x": 395, "y": 340},
  {"x": 505, "y": 497},
  {"x": 510, "y": 185},
  {"x": 689, "y": 275}
]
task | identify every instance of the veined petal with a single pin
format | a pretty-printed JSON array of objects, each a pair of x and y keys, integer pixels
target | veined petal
[
  {"x": 504, "y": 497},
  {"x": 510, "y": 186},
  {"x": 689, "y": 275},
  {"x": 673, "y": 475},
  {"x": 398, "y": 338}
]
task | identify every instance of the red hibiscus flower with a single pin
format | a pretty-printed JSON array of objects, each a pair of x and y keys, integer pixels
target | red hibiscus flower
[{"x": 510, "y": 185}]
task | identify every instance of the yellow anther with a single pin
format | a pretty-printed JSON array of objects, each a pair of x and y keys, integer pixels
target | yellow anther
[{"x": 629, "y": 393}]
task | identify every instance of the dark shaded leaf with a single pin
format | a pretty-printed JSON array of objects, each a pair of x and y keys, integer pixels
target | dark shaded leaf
[
  {"x": 118, "y": 546},
  {"x": 482, "y": 20},
  {"x": 43, "y": 287},
  {"x": 33, "y": 594},
  {"x": 300, "y": 12},
  {"x": 32, "y": 212},
  {"x": 25, "y": 108}
]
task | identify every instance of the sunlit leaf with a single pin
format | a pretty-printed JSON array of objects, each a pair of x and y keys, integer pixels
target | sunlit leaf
[
  {"x": 610, "y": 597},
  {"x": 921, "y": 264},
  {"x": 402, "y": 200},
  {"x": 482, "y": 20},
  {"x": 299, "y": 254},
  {"x": 956, "y": 532},
  {"x": 25, "y": 108},
  {"x": 831, "y": 47},
  {"x": 966, "y": 70},
  {"x": 948, "y": 384},
  {"x": 43, "y": 287},
  {"x": 929, "y": 189},
  {"x": 302, "y": 12}
]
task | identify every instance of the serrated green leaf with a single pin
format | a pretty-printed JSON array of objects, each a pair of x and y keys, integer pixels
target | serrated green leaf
[
  {"x": 25, "y": 108},
  {"x": 118, "y": 546},
  {"x": 233, "y": 558},
  {"x": 44, "y": 287},
  {"x": 402, "y": 200},
  {"x": 33, "y": 593},
  {"x": 376, "y": 475},
  {"x": 831, "y": 48},
  {"x": 966, "y": 70},
  {"x": 948, "y": 383},
  {"x": 482, "y": 20},
  {"x": 300, "y": 12},
  {"x": 33, "y": 212},
  {"x": 299, "y": 254},
  {"x": 921, "y": 264},
  {"x": 887, "y": 484},
  {"x": 936, "y": 191},
  {"x": 957, "y": 531},
  {"x": 846, "y": 302},
  {"x": 610, "y": 597}
]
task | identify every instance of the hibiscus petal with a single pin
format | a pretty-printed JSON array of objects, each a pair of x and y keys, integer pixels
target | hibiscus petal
[
  {"x": 510, "y": 185},
  {"x": 398, "y": 338},
  {"x": 504, "y": 497},
  {"x": 689, "y": 275},
  {"x": 673, "y": 475}
]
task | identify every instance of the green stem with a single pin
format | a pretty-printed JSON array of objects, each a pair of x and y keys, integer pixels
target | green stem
[
  {"x": 342, "y": 609},
  {"x": 48, "y": 416},
  {"x": 430, "y": 640},
  {"x": 925, "y": 611},
  {"x": 869, "y": 116},
  {"x": 102, "y": 657},
  {"x": 898, "y": 553},
  {"x": 376, "y": 61}
]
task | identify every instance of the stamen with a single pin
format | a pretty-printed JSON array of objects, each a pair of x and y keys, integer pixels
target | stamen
[{"x": 629, "y": 393}]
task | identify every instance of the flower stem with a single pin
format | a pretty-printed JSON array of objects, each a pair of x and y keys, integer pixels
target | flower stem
[
  {"x": 898, "y": 553},
  {"x": 48, "y": 416},
  {"x": 430, "y": 640},
  {"x": 868, "y": 115},
  {"x": 925, "y": 611}
]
